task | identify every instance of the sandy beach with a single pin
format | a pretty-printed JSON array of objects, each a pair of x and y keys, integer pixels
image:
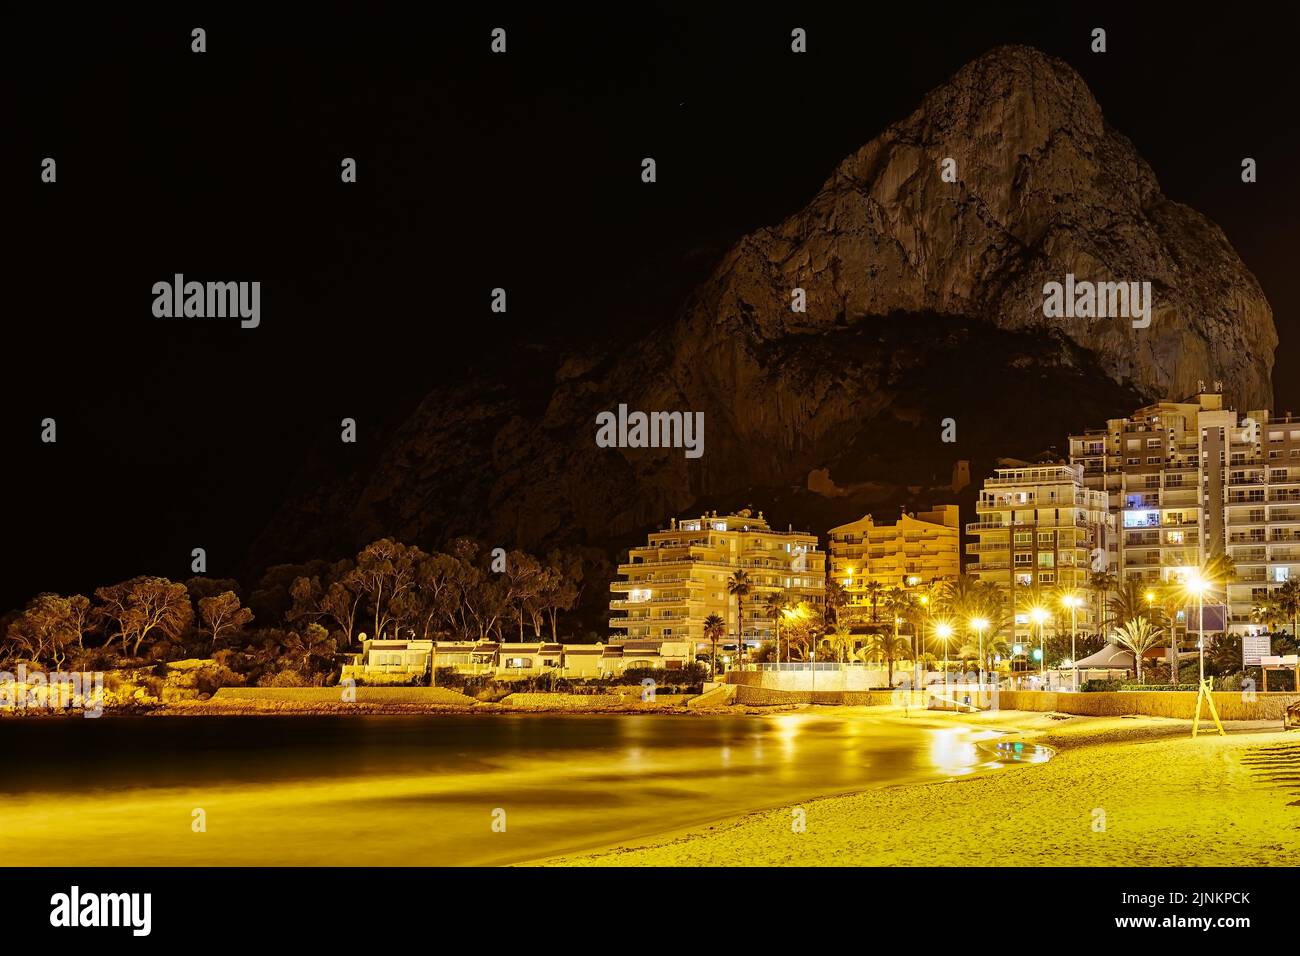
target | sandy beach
[{"x": 1121, "y": 791}]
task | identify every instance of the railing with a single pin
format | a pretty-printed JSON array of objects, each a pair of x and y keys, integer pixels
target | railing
[{"x": 818, "y": 666}]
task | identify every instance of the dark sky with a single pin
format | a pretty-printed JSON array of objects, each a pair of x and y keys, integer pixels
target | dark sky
[{"x": 475, "y": 171}]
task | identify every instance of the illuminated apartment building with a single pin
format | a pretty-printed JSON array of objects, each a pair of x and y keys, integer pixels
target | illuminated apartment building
[
  {"x": 1038, "y": 527},
  {"x": 1187, "y": 480},
  {"x": 680, "y": 577},
  {"x": 916, "y": 550}
]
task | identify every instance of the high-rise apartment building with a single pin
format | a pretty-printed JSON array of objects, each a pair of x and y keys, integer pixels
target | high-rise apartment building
[
  {"x": 1188, "y": 480},
  {"x": 914, "y": 551},
  {"x": 1039, "y": 529},
  {"x": 680, "y": 577}
]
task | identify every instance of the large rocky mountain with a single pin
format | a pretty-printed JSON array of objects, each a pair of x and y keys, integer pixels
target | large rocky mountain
[{"x": 924, "y": 302}]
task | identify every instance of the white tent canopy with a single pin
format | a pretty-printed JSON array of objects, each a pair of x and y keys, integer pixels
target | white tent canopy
[{"x": 1111, "y": 657}]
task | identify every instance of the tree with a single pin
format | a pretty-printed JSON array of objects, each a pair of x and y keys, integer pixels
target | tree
[
  {"x": 438, "y": 591},
  {"x": 775, "y": 605},
  {"x": 1288, "y": 601},
  {"x": 309, "y": 650},
  {"x": 223, "y": 612},
  {"x": 1129, "y": 603},
  {"x": 714, "y": 628},
  {"x": 340, "y": 602},
  {"x": 901, "y": 606},
  {"x": 385, "y": 570},
  {"x": 1139, "y": 636},
  {"x": 526, "y": 578},
  {"x": 842, "y": 642},
  {"x": 1169, "y": 597},
  {"x": 200, "y": 587},
  {"x": 1270, "y": 613},
  {"x": 836, "y": 598},
  {"x": 874, "y": 591},
  {"x": 143, "y": 606},
  {"x": 886, "y": 646},
  {"x": 45, "y": 628},
  {"x": 563, "y": 587},
  {"x": 1101, "y": 583},
  {"x": 739, "y": 586}
]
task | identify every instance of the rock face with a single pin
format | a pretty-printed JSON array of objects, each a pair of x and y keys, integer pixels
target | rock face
[{"x": 924, "y": 302}]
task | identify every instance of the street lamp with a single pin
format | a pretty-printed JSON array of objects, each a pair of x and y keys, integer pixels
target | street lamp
[
  {"x": 979, "y": 623},
  {"x": 1072, "y": 601},
  {"x": 1198, "y": 585},
  {"x": 943, "y": 631},
  {"x": 1038, "y": 615}
]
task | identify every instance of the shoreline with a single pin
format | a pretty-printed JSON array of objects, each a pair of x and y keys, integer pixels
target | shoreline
[{"x": 1118, "y": 791}]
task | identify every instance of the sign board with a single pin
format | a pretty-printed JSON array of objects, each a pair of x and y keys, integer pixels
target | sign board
[
  {"x": 1216, "y": 618},
  {"x": 1254, "y": 648}
]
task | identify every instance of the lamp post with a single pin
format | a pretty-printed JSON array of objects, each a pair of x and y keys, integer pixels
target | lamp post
[
  {"x": 1197, "y": 585},
  {"x": 1038, "y": 615},
  {"x": 943, "y": 631},
  {"x": 1073, "y": 601},
  {"x": 979, "y": 623}
]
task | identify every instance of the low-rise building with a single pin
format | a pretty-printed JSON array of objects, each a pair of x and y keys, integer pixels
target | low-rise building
[{"x": 400, "y": 661}]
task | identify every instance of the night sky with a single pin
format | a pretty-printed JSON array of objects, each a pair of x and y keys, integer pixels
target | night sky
[{"x": 475, "y": 171}]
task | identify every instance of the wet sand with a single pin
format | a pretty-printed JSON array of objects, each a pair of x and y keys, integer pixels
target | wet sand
[{"x": 1126, "y": 791}]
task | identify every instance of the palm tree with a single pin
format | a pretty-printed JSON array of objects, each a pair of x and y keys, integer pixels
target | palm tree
[
  {"x": 1129, "y": 603},
  {"x": 1139, "y": 636},
  {"x": 874, "y": 589},
  {"x": 714, "y": 628},
  {"x": 901, "y": 605},
  {"x": 1288, "y": 601},
  {"x": 1170, "y": 597},
  {"x": 739, "y": 586},
  {"x": 887, "y": 646},
  {"x": 774, "y": 606},
  {"x": 836, "y": 598},
  {"x": 967, "y": 598},
  {"x": 1270, "y": 613},
  {"x": 841, "y": 642},
  {"x": 1101, "y": 583}
]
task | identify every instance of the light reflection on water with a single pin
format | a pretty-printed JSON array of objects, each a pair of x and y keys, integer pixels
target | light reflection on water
[{"x": 421, "y": 790}]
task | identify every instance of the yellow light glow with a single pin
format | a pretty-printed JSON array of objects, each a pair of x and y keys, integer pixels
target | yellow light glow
[
  {"x": 1038, "y": 615},
  {"x": 943, "y": 630},
  {"x": 979, "y": 623},
  {"x": 1195, "y": 583}
]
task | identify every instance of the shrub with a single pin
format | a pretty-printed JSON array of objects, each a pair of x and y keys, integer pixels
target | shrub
[
  {"x": 1096, "y": 685},
  {"x": 282, "y": 679}
]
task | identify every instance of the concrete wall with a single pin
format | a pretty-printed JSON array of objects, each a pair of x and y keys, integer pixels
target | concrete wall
[
  {"x": 846, "y": 679},
  {"x": 768, "y": 697},
  {"x": 334, "y": 695},
  {"x": 1232, "y": 705}
]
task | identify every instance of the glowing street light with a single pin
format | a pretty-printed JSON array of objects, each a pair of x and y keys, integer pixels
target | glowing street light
[
  {"x": 943, "y": 631},
  {"x": 978, "y": 624},
  {"x": 1197, "y": 585}
]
